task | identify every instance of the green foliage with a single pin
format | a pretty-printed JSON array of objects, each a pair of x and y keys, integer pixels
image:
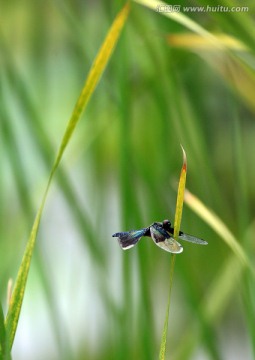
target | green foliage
[{"x": 97, "y": 69}]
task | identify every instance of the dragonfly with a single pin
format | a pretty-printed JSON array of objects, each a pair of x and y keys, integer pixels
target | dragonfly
[{"x": 162, "y": 235}]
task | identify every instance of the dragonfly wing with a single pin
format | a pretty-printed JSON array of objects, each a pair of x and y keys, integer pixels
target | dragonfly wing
[
  {"x": 192, "y": 239},
  {"x": 171, "y": 246},
  {"x": 164, "y": 241},
  {"x": 128, "y": 239},
  {"x": 158, "y": 234}
]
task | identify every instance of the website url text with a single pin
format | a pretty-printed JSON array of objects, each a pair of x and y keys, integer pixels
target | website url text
[{"x": 202, "y": 9}]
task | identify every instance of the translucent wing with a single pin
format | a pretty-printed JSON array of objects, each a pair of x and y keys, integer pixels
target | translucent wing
[
  {"x": 162, "y": 239},
  {"x": 191, "y": 238},
  {"x": 171, "y": 246},
  {"x": 128, "y": 239}
]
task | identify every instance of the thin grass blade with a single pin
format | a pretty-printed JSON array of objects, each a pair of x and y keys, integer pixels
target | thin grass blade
[
  {"x": 4, "y": 350},
  {"x": 196, "y": 42},
  {"x": 94, "y": 75},
  {"x": 183, "y": 20},
  {"x": 220, "y": 293},
  {"x": 177, "y": 225},
  {"x": 2, "y": 333},
  {"x": 232, "y": 65},
  {"x": 162, "y": 351},
  {"x": 219, "y": 227},
  {"x": 180, "y": 196},
  {"x": 236, "y": 71}
]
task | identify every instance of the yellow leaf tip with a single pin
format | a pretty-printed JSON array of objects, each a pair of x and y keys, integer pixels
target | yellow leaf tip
[{"x": 184, "y": 156}]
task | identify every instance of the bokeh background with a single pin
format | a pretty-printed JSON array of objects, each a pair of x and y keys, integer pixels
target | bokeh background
[{"x": 85, "y": 297}]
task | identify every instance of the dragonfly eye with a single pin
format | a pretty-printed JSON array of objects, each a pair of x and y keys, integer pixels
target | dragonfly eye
[{"x": 166, "y": 224}]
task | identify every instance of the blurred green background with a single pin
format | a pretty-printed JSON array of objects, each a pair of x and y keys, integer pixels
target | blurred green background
[{"x": 85, "y": 297}]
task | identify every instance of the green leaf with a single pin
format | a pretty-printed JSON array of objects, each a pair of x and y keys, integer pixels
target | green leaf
[
  {"x": 4, "y": 351},
  {"x": 219, "y": 227},
  {"x": 162, "y": 351},
  {"x": 2, "y": 333},
  {"x": 180, "y": 196},
  {"x": 183, "y": 20},
  {"x": 177, "y": 225},
  {"x": 93, "y": 78}
]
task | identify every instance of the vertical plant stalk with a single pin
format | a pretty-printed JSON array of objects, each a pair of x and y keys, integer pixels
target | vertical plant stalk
[
  {"x": 2, "y": 333},
  {"x": 177, "y": 225},
  {"x": 4, "y": 350},
  {"x": 93, "y": 78},
  {"x": 180, "y": 196},
  {"x": 164, "y": 334}
]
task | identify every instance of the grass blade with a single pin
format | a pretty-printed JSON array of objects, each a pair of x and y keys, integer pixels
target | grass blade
[
  {"x": 4, "y": 350},
  {"x": 232, "y": 65},
  {"x": 94, "y": 75},
  {"x": 183, "y": 20},
  {"x": 220, "y": 228},
  {"x": 220, "y": 293},
  {"x": 162, "y": 351},
  {"x": 177, "y": 224},
  {"x": 2, "y": 333},
  {"x": 180, "y": 196},
  {"x": 196, "y": 42},
  {"x": 236, "y": 72}
]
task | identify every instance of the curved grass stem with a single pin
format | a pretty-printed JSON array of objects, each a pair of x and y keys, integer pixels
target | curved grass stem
[{"x": 177, "y": 224}]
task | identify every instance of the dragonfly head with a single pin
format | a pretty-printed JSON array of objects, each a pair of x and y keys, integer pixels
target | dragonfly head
[{"x": 166, "y": 225}]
